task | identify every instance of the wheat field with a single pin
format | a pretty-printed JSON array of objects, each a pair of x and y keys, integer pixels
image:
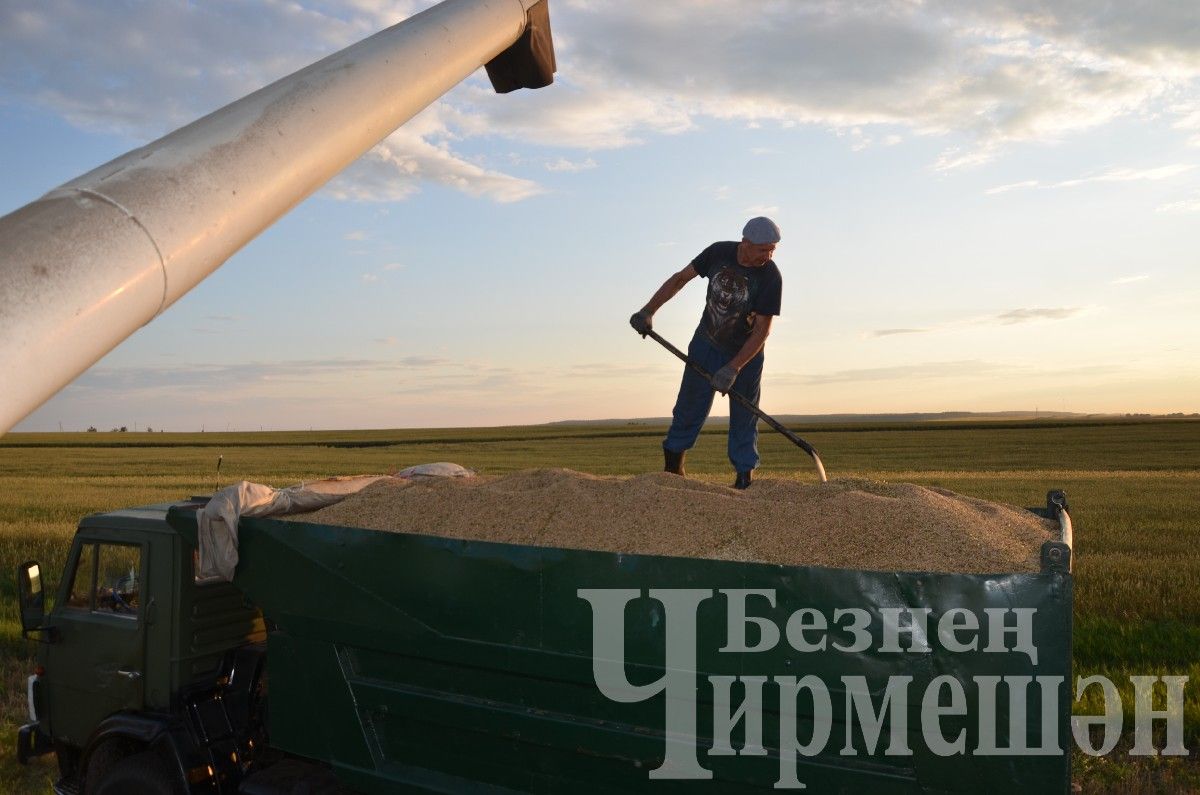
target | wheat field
[{"x": 1134, "y": 488}]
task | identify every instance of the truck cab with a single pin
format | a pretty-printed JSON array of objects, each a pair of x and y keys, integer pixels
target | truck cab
[{"x": 136, "y": 656}]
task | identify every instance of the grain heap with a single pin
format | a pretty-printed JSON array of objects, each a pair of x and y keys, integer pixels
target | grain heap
[{"x": 844, "y": 523}]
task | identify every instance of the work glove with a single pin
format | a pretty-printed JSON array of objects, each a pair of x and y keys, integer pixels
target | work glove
[
  {"x": 641, "y": 322},
  {"x": 723, "y": 379}
]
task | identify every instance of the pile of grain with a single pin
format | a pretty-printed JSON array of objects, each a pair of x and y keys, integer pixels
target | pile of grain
[{"x": 844, "y": 523}]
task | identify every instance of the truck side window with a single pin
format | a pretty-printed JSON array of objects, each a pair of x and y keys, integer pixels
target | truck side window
[
  {"x": 83, "y": 579},
  {"x": 118, "y": 579},
  {"x": 107, "y": 579}
]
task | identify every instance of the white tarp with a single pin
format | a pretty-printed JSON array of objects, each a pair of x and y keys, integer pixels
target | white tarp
[
  {"x": 441, "y": 469},
  {"x": 217, "y": 522}
]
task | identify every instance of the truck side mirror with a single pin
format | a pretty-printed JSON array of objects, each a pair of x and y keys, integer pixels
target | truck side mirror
[{"x": 32, "y": 596}]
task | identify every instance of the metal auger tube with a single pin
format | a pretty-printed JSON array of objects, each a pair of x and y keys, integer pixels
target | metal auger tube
[{"x": 92, "y": 261}]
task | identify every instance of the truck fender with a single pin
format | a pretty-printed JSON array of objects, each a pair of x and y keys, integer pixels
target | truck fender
[{"x": 125, "y": 733}]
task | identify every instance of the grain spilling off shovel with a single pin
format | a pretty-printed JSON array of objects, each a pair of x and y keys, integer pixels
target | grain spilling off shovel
[{"x": 843, "y": 523}]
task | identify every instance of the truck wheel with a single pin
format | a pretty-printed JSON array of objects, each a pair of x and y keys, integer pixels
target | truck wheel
[{"x": 139, "y": 774}]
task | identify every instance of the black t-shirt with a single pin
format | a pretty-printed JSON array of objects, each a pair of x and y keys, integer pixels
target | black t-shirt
[{"x": 736, "y": 294}]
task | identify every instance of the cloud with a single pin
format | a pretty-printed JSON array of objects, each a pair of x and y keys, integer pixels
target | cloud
[
  {"x": 1182, "y": 206},
  {"x": 1150, "y": 34},
  {"x": 860, "y": 140},
  {"x": 1130, "y": 175},
  {"x": 1141, "y": 277},
  {"x": 357, "y": 234},
  {"x": 965, "y": 368},
  {"x": 956, "y": 157},
  {"x": 215, "y": 377},
  {"x": 908, "y": 372},
  {"x": 1026, "y": 315},
  {"x": 451, "y": 387},
  {"x": 1112, "y": 175},
  {"x": 420, "y": 152},
  {"x": 1029, "y": 183},
  {"x": 373, "y": 276},
  {"x": 981, "y": 76},
  {"x": 581, "y": 112},
  {"x": 1007, "y": 318},
  {"x": 413, "y": 374},
  {"x": 988, "y": 74},
  {"x": 889, "y": 332},
  {"x": 755, "y": 210},
  {"x": 607, "y": 370},
  {"x": 562, "y": 164},
  {"x": 101, "y": 67},
  {"x": 1189, "y": 121}
]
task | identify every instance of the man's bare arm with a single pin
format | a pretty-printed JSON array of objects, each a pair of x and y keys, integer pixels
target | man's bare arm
[{"x": 669, "y": 288}]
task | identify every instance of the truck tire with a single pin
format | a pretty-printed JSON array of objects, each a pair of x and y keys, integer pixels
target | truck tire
[{"x": 139, "y": 774}]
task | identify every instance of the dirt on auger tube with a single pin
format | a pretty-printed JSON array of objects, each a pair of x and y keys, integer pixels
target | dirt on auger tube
[{"x": 845, "y": 523}]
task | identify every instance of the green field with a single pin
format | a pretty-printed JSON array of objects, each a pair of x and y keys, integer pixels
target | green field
[{"x": 1134, "y": 488}]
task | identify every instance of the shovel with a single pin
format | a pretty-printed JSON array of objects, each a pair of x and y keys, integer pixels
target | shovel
[{"x": 753, "y": 409}]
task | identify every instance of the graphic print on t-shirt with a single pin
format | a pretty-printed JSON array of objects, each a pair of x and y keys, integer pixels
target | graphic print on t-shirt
[{"x": 726, "y": 308}]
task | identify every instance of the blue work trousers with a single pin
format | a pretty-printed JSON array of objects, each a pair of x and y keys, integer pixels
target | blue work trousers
[{"x": 696, "y": 398}]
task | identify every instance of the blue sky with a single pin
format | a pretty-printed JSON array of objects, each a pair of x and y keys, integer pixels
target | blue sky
[{"x": 985, "y": 206}]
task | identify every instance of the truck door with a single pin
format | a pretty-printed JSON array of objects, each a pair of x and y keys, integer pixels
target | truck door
[{"x": 95, "y": 667}]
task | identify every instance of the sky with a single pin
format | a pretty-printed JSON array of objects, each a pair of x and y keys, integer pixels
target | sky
[{"x": 985, "y": 206}]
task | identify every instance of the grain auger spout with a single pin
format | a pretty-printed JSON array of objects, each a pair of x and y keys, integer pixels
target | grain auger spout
[{"x": 95, "y": 259}]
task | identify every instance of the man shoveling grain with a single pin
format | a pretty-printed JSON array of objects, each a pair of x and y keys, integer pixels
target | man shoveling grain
[{"x": 744, "y": 292}]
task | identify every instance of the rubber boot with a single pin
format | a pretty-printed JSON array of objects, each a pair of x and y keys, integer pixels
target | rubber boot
[
  {"x": 743, "y": 480},
  {"x": 673, "y": 462}
]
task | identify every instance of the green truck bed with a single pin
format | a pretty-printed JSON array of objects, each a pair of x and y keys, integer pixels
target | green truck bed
[{"x": 449, "y": 665}]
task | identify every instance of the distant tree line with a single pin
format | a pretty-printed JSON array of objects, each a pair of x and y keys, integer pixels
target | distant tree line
[{"x": 1172, "y": 414}]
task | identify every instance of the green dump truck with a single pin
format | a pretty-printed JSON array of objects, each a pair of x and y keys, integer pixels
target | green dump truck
[{"x": 342, "y": 659}]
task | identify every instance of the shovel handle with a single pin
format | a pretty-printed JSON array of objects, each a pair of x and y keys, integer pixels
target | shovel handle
[{"x": 747, "y": 404}]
